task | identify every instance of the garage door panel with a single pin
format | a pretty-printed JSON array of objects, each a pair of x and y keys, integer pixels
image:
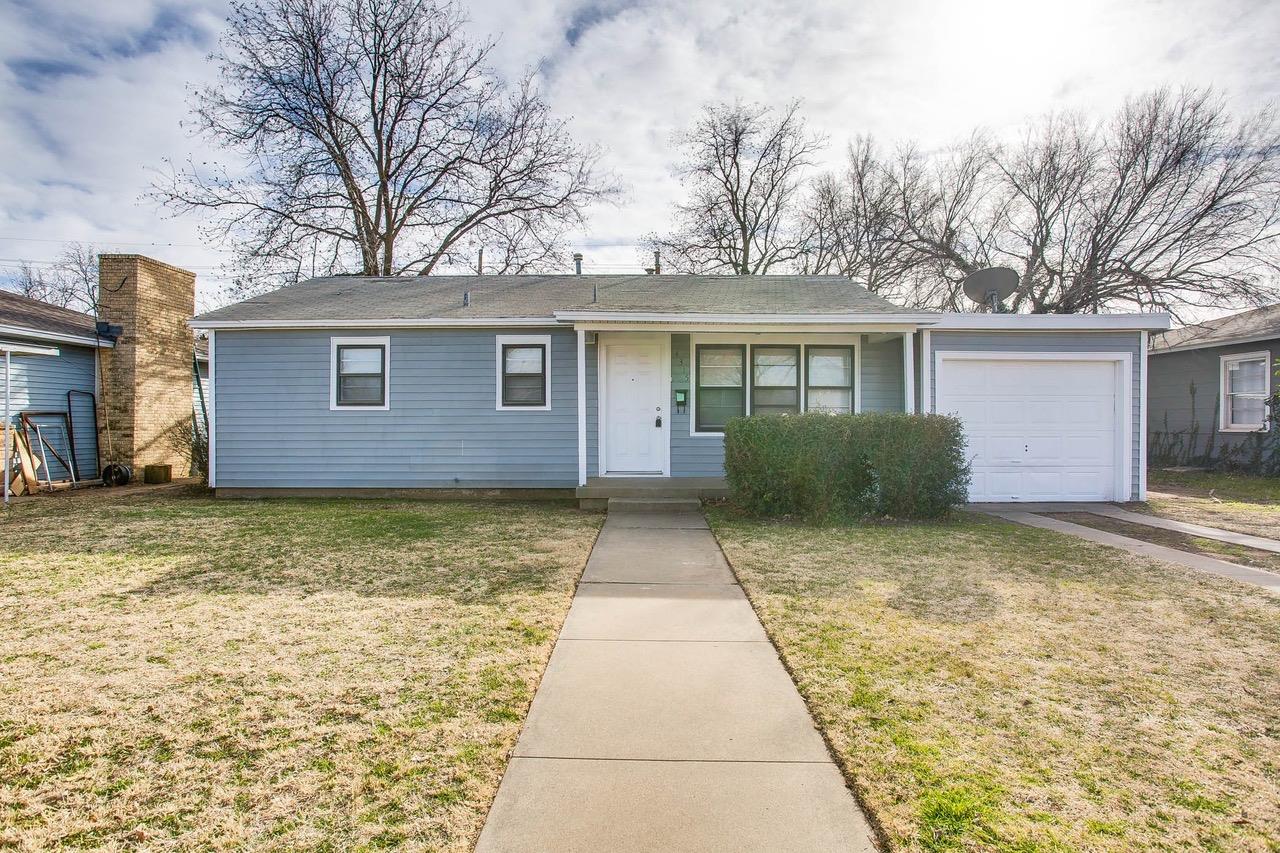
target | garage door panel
[{"x": 1040, "y": 430}]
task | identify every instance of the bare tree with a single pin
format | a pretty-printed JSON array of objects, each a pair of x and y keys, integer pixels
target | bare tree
[
  {"x": 1168, "y": 205},
  {"x": 71, "y": 281},
  {"x": 853, "y": 228},
  {"x": 743, "y": 171},
  {"x": 375, "y": 139}
]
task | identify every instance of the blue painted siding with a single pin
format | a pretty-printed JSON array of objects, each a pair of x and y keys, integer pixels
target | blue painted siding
[
  {"x": 882, "y": 375},
  {"x": 41, "y": 382},
  {"x": 275, "y": 429},
  {"x": 1130, "y": 342},
  {"x": 593, "y": 410},
  {"x": 691, "y": 455}
]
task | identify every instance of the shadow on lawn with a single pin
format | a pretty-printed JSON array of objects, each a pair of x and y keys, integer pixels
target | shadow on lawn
[{"x": 464, "y": 552}]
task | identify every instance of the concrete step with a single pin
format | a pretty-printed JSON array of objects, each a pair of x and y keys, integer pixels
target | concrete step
[{"x": 654, "y": 505}]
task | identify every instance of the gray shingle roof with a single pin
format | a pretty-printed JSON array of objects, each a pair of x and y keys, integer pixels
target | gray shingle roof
[
  {"x": 27, "y": 313},
  {"x": 1247, "y": 325},
  {"x": 347, "y": 298}
]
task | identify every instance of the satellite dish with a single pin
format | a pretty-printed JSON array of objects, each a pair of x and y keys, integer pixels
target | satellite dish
[{"x": 991, "y": 286}]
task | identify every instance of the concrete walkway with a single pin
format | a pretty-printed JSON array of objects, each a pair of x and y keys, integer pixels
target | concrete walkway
[
  {"x": 1111, "y": 511},
  {"x": 665, "y": 721},
  {"x": 1269, "y": 581}
]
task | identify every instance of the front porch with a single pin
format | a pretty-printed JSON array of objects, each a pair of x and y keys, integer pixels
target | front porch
[{"x": 653, "y": 402}]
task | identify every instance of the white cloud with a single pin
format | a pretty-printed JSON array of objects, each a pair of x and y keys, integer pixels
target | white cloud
[{"x": 78, "y": 132}]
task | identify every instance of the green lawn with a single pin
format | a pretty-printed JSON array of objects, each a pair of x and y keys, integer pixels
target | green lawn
[
  {"x": 178, "y": 672},
  {"x": 997, "y": 687}
]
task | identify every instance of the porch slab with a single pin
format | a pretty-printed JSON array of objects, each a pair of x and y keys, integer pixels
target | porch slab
[
  {"x": 636, "y": 555},
  {"x": 698, "y": 612},
  {"x": 585, "y": 806},
  {"x": 668, "y": 701},
  {"x": 654, "y": 487},
  {"x": 657, "y": 520}
]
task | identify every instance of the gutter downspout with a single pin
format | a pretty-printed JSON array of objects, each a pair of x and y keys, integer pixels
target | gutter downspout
[{"x": 8, "y": 384}]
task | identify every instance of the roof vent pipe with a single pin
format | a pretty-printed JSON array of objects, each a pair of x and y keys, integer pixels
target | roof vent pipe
[
  {"x": 466, "y": 299},
  {"x": 577, "y": 263},
  {"x": 594, "y": 294}
]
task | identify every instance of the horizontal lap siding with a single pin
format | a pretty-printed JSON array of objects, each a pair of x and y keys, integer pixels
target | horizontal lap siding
[
  {"x": 882, "y": 376},
  {"x": 1056, "y": 342},
  {"x": 41, "y": 382},
  {"x": 275, "y": 428},
  {"x": 691, "y": 455},
  {"x": 1170, "y": 377}
]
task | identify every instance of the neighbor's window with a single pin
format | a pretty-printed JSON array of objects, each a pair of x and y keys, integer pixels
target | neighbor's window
[
  {"x": 361, "y": 375},
  {"x": 721, "y": 385},
  {"x": 524, "y": 375},
  {"x": 829, "y": 379},
  {"x": 1245, "y": 386},
  {"x": 775, "y": 380}
]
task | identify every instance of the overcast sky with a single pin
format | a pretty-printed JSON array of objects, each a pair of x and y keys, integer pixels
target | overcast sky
[{"x": 93, "y": 95}]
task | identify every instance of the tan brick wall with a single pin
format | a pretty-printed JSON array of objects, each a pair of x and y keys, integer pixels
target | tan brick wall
[{"x": 146, "y": 379}]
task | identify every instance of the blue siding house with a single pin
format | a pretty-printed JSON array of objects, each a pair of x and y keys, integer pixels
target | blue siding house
[
  {"x": 51, "y": 351},
  {"x": 591, "y": 385}
]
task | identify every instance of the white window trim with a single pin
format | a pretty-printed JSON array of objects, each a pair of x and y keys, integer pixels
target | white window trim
[
  {"x": 1224, "y": 365},
  {"x": 368, "y": 341},
  {"x": 516, "y": 340},
  {"x": 769, "y": 340}
]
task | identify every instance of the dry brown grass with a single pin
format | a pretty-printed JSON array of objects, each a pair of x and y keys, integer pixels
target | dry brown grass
[
  {"x": 997, "y": 687},
  {"x": 180, "y": 673},
  {"x": 1238, "y": 502}
]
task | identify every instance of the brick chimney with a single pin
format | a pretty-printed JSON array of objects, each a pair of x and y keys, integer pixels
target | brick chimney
[{"x": 145, "y": 380}]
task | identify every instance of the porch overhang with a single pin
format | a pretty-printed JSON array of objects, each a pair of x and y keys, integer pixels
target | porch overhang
[{"x": 604, "y": 321}]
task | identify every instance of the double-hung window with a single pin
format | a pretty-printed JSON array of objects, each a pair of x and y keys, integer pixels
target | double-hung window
[
  {"x": 524, "y": 379},
  {"x": 721, "y": 391},
  {"x": 829, "y": 379},
  {"x": 1246, "y": 384},
  {"x": 775, "y": 379},
  {"x": 359, "y": 373}
]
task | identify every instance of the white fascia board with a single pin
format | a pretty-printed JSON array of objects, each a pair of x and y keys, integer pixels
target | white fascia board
[
  {"x": 419, "y": 323},
  {"x": 19, "y": 348},
  {"x": 56, "y": 337},
  {"x": 1053, "y": 322},
  {"x": 682, "y": 317}
]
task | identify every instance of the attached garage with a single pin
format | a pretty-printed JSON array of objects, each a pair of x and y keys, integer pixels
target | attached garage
[
  {"x": 1049, "y": 415},
  {"x": 1040, "y": 427}
]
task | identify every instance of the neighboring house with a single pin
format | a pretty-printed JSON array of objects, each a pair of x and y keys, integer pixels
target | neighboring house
[
  {"x": 1209, "y": 384},
  {"x": 558, "y": 383},
  {"x": 52, "y": 351},
  {"x": 144, "y": 381}
]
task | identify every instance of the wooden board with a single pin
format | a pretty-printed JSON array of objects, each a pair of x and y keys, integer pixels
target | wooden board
[{"x": 26, "y": 480}]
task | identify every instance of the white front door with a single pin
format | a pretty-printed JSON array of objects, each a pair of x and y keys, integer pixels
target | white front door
[
  {"x": 634, "y": 407},
  {"x": 1037, "y": 430}
]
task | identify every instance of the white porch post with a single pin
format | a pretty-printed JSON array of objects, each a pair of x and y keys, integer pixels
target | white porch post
[
  {"x": 926, "y": 373},
  {"x": 909, "y": 372},
  {"x": 582, "y": 407}
]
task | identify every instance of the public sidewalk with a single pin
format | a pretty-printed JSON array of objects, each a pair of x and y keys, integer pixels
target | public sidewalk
[{"x": 665, "y": 721}]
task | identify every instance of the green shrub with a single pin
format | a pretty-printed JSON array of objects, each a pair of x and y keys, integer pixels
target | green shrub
[{"x": 820, "y": 466}]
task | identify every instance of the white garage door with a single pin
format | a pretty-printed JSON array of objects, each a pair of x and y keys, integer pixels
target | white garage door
[{"x": 1036, "y": 430}]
